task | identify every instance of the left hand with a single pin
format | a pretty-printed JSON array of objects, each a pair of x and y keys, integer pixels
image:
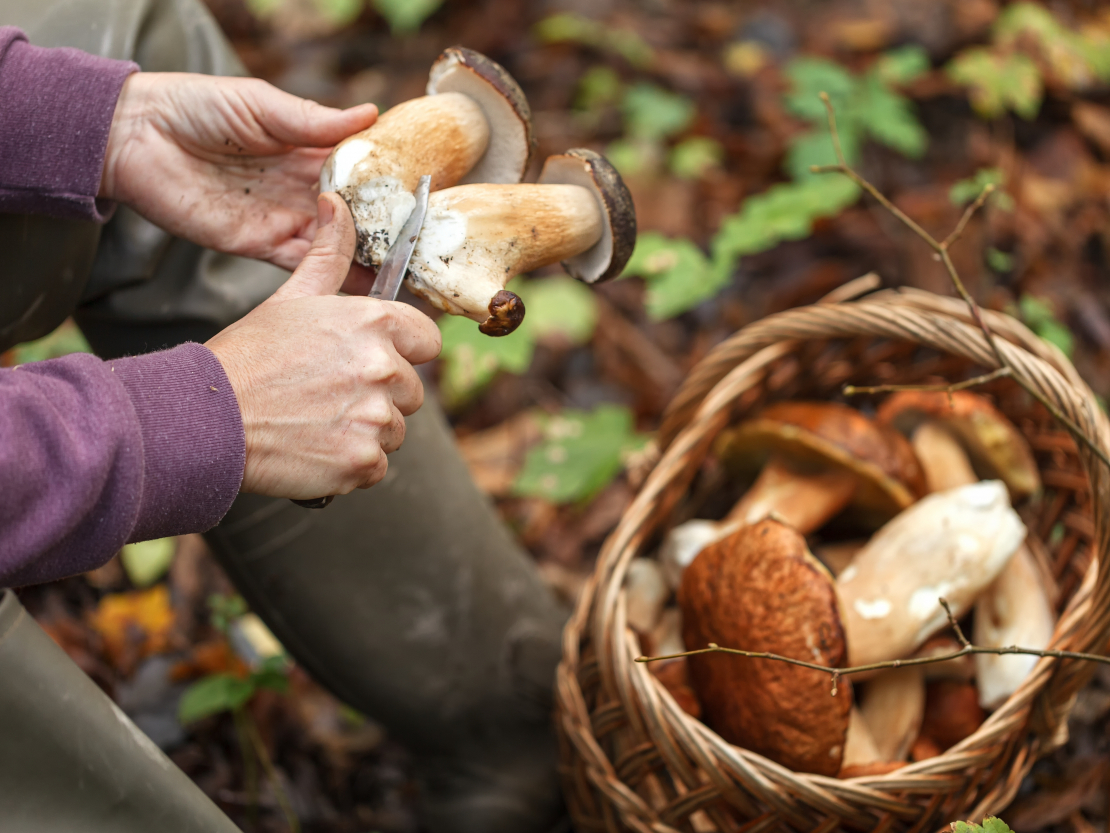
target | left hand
[{"x": 228, "y": 163}]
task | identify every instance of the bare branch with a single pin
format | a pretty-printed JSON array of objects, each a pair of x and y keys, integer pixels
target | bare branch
[
  {"x": 836, "y": 673},
  {"x": 988, "y": 189},
  {"x": 941, "y": 250},
  {"x": 1000, "y": 373}
]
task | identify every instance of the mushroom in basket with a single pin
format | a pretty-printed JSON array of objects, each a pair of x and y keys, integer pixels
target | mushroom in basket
[
  {"x": 1015, "y": 610},
  {"x": 818, "y": 459}
]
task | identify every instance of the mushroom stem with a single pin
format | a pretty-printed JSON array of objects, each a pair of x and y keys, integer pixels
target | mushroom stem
[
  {"x": 893, "y": 706},
  {"x": 860, "y": 746},
  {"x": 478, "y": 237},
  {"x": 804, "y": 500},
  {"x": 942, "y": 458}
]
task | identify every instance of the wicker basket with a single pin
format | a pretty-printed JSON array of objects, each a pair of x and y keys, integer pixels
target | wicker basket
[{"x": 632, "y": 759}]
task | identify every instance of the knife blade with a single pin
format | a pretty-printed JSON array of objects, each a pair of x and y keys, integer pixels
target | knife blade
[{"x": 391, "y": 274}]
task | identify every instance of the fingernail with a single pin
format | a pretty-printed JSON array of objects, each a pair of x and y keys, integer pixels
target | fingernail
[{"x": 325, "y": 211}]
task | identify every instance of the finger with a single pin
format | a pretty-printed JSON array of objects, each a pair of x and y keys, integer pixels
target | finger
[
  {"x": 327, "y": 263},
  {"x": 303, "y": 123},
  {"x": 374, "y": 473},
  {"x": 406, "y": 389},
  {"x": 360, "y": 280},
  {"x": 415, "y": 336},
  {"x": 393, "y": 435}
]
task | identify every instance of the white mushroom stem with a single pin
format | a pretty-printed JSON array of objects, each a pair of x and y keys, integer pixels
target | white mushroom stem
[
  {"x": 439, "y": 135},
  {"x": 666, "y": 637},
  {"x": 804, "y": 500},
  {"x": 948, "y": 545},
  {"x": 893, "y": 706},
  {"x": 1013, "y": 611},
  {"x": 646, "y": 592},
  {"x": 682, "y": 544},
  {"x": 859, "y": 746},
  {"x": 478, "y": 237}
]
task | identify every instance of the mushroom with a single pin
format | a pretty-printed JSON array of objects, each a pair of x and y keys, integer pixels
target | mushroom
[
  {"x": 1015, "y": 609},
  {"x": 952, "y": 712},
  {"x": 820, "y": 458},
  {"x": 892, "y": 706},
  {"x": 997, "y": 449},
  {"x": 477, "y": 237},
  {"x": 473, "y": 126},
  {"x": 673, "y": 674},
  {"x": 760, "y": 589},
  {"x": 944, "y": 644},
  {"x": 949, "y": 545},
  {"x": 646, "y": 592},
  {"x": 860, "y": 746}
]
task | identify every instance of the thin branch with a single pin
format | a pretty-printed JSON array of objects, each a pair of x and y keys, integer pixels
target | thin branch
[
  {"x": 988, "y": 189},
  {"x": 272, "y": 774},
  {"x": 836, "y": 673},
  {"x": 941, "y": 250},
  {"x": 1000, "y": 373}
]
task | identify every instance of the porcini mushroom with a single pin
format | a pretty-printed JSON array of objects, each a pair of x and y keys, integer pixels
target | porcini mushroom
[
  {"x": 949, "y": 545},
  {"x": 760, "y": 589},
  {"x": 473, "y": 126},
  {"x": 996, "y": 448},
  {"x": 646, "y": 592},
  {"x": 477, "y": 237},
  {"x": 892, "y": 706},
  {"x": 1014, "y": 609},
  {"x": 819, "y": 458}
]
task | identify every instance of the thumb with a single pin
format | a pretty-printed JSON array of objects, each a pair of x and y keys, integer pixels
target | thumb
[{"x": 327, "y": 263}]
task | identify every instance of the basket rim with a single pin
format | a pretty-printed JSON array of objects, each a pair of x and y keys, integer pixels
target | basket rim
[{"x": 702, "y": 406}]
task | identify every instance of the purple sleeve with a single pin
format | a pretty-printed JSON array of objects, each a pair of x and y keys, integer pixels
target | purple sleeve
[
  {"x": 56, "y": 106},
  {"x": 96, "y": 454}
]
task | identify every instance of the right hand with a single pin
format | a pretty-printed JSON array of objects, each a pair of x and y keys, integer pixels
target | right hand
[{"x": 324, "y": 382}]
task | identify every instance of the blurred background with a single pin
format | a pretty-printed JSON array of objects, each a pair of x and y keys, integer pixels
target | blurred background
[{"x": 711, "y": 112}]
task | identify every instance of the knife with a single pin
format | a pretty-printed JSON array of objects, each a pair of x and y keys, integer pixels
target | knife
[{"x": 391, "y": 274}]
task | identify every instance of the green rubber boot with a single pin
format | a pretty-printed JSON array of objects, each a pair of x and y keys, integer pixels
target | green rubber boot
[{"x": 70, "y": 760}]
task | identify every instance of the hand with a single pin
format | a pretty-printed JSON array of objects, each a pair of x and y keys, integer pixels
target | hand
[
  {"x": 229, "y": 163},
  {"x": 324, "y": 382}
]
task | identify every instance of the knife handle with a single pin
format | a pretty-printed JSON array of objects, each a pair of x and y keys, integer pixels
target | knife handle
[{"x": 315, "y": 502}]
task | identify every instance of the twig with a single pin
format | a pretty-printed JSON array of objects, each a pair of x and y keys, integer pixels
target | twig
[
  {"x": 988, "y": 189},
  {"x": 941, "y": 250},
  {"x": 250, "y": 769},
  {"x": 271, "y": 773},
  {"x": 1000, "y": 373},
  {"x": 836, "y": 673}
]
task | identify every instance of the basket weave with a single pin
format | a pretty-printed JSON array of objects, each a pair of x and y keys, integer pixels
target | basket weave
[{"x": 631, "y": 759}]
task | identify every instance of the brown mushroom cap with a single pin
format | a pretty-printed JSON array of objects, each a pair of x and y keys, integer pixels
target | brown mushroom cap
[
  {"x": 607, "y": 258},
  {"x": 823, "y": 434},
  {"x": 997, "y": 449},
  {"x": 512, "y": 142},
  {"x": 760, "y": 589}
]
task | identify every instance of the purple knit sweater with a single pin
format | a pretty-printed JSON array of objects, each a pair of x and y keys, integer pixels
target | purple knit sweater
[{"x": 95, "y": 454}]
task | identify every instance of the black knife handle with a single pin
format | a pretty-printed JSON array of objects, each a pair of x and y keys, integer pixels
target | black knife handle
[{"x": 315, "y": 502}]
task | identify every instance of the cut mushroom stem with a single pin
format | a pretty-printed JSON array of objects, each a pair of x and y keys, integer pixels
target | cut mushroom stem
[
  {"x": 893, "y": 704},
  {"x": 949, "y": 545},
  {"x": 805, "y": 500}
]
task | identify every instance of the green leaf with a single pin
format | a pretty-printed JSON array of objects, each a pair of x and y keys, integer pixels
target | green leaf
[
  {"x": 598, "y": 87},
  {"x": 969, "y": 189},
  {"x": 965, "y": 827},
  {"x": 809, "y": 77},
  {"x": 655, "y": 114},
  {"x": 633, "y": 156},
  {"x": 225, "y": 609},
  {"x": 993, "y": 824},
  {"x": 272, "y": 674},
  {"x": 902, "y": 66},
  {"x": 999, "y": 261},
  {"x": 405, "y": 16},
  {"x": 693, "y": 157},
  {"x": 580, "y": 454},
  {"x": 558, "y": 307},
  {"x": 890, "y": 118},
  {"x": 213, "y": 694},
  {"x": 147, "y": 561},
  {"x": 997, "y": 82},
  {"x": 340, "y": 12},
  {"x": 63, "y": 341},
  {"x": 1041, "y": 319},
  {"x": 816, "y": 148},
  {"x": 677, "y": 273},
  {"x": 566, "y": 26}
]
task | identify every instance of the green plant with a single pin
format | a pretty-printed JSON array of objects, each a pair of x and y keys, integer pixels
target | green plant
[
  {"x": 147, "y": 561},
  {"x": 557, "y": 309},
  {"x": 404, "y": 16},
  {"x": 991, "y": 824},
  {"x": 66, "y": 339},
  {"x": 581, "y": 452},
  {"x": 1040, "y": 317},
  {"x": 692, "y": 157},
  {"x": 566, "y": 26},
  {"x": 968, "y": 189}
]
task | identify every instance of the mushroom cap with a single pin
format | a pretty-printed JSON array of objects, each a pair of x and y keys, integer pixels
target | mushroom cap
[
  {"x": 948, "y": 545},
  {"x": 822, "y": 434},
  {"x": 607, "y": 258},
  {"x": 760, "y": 589},
  {"x": 512, "y": 141},
  {"x": 952, "y": 712},
  {"x": 995, "y": 446}
]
